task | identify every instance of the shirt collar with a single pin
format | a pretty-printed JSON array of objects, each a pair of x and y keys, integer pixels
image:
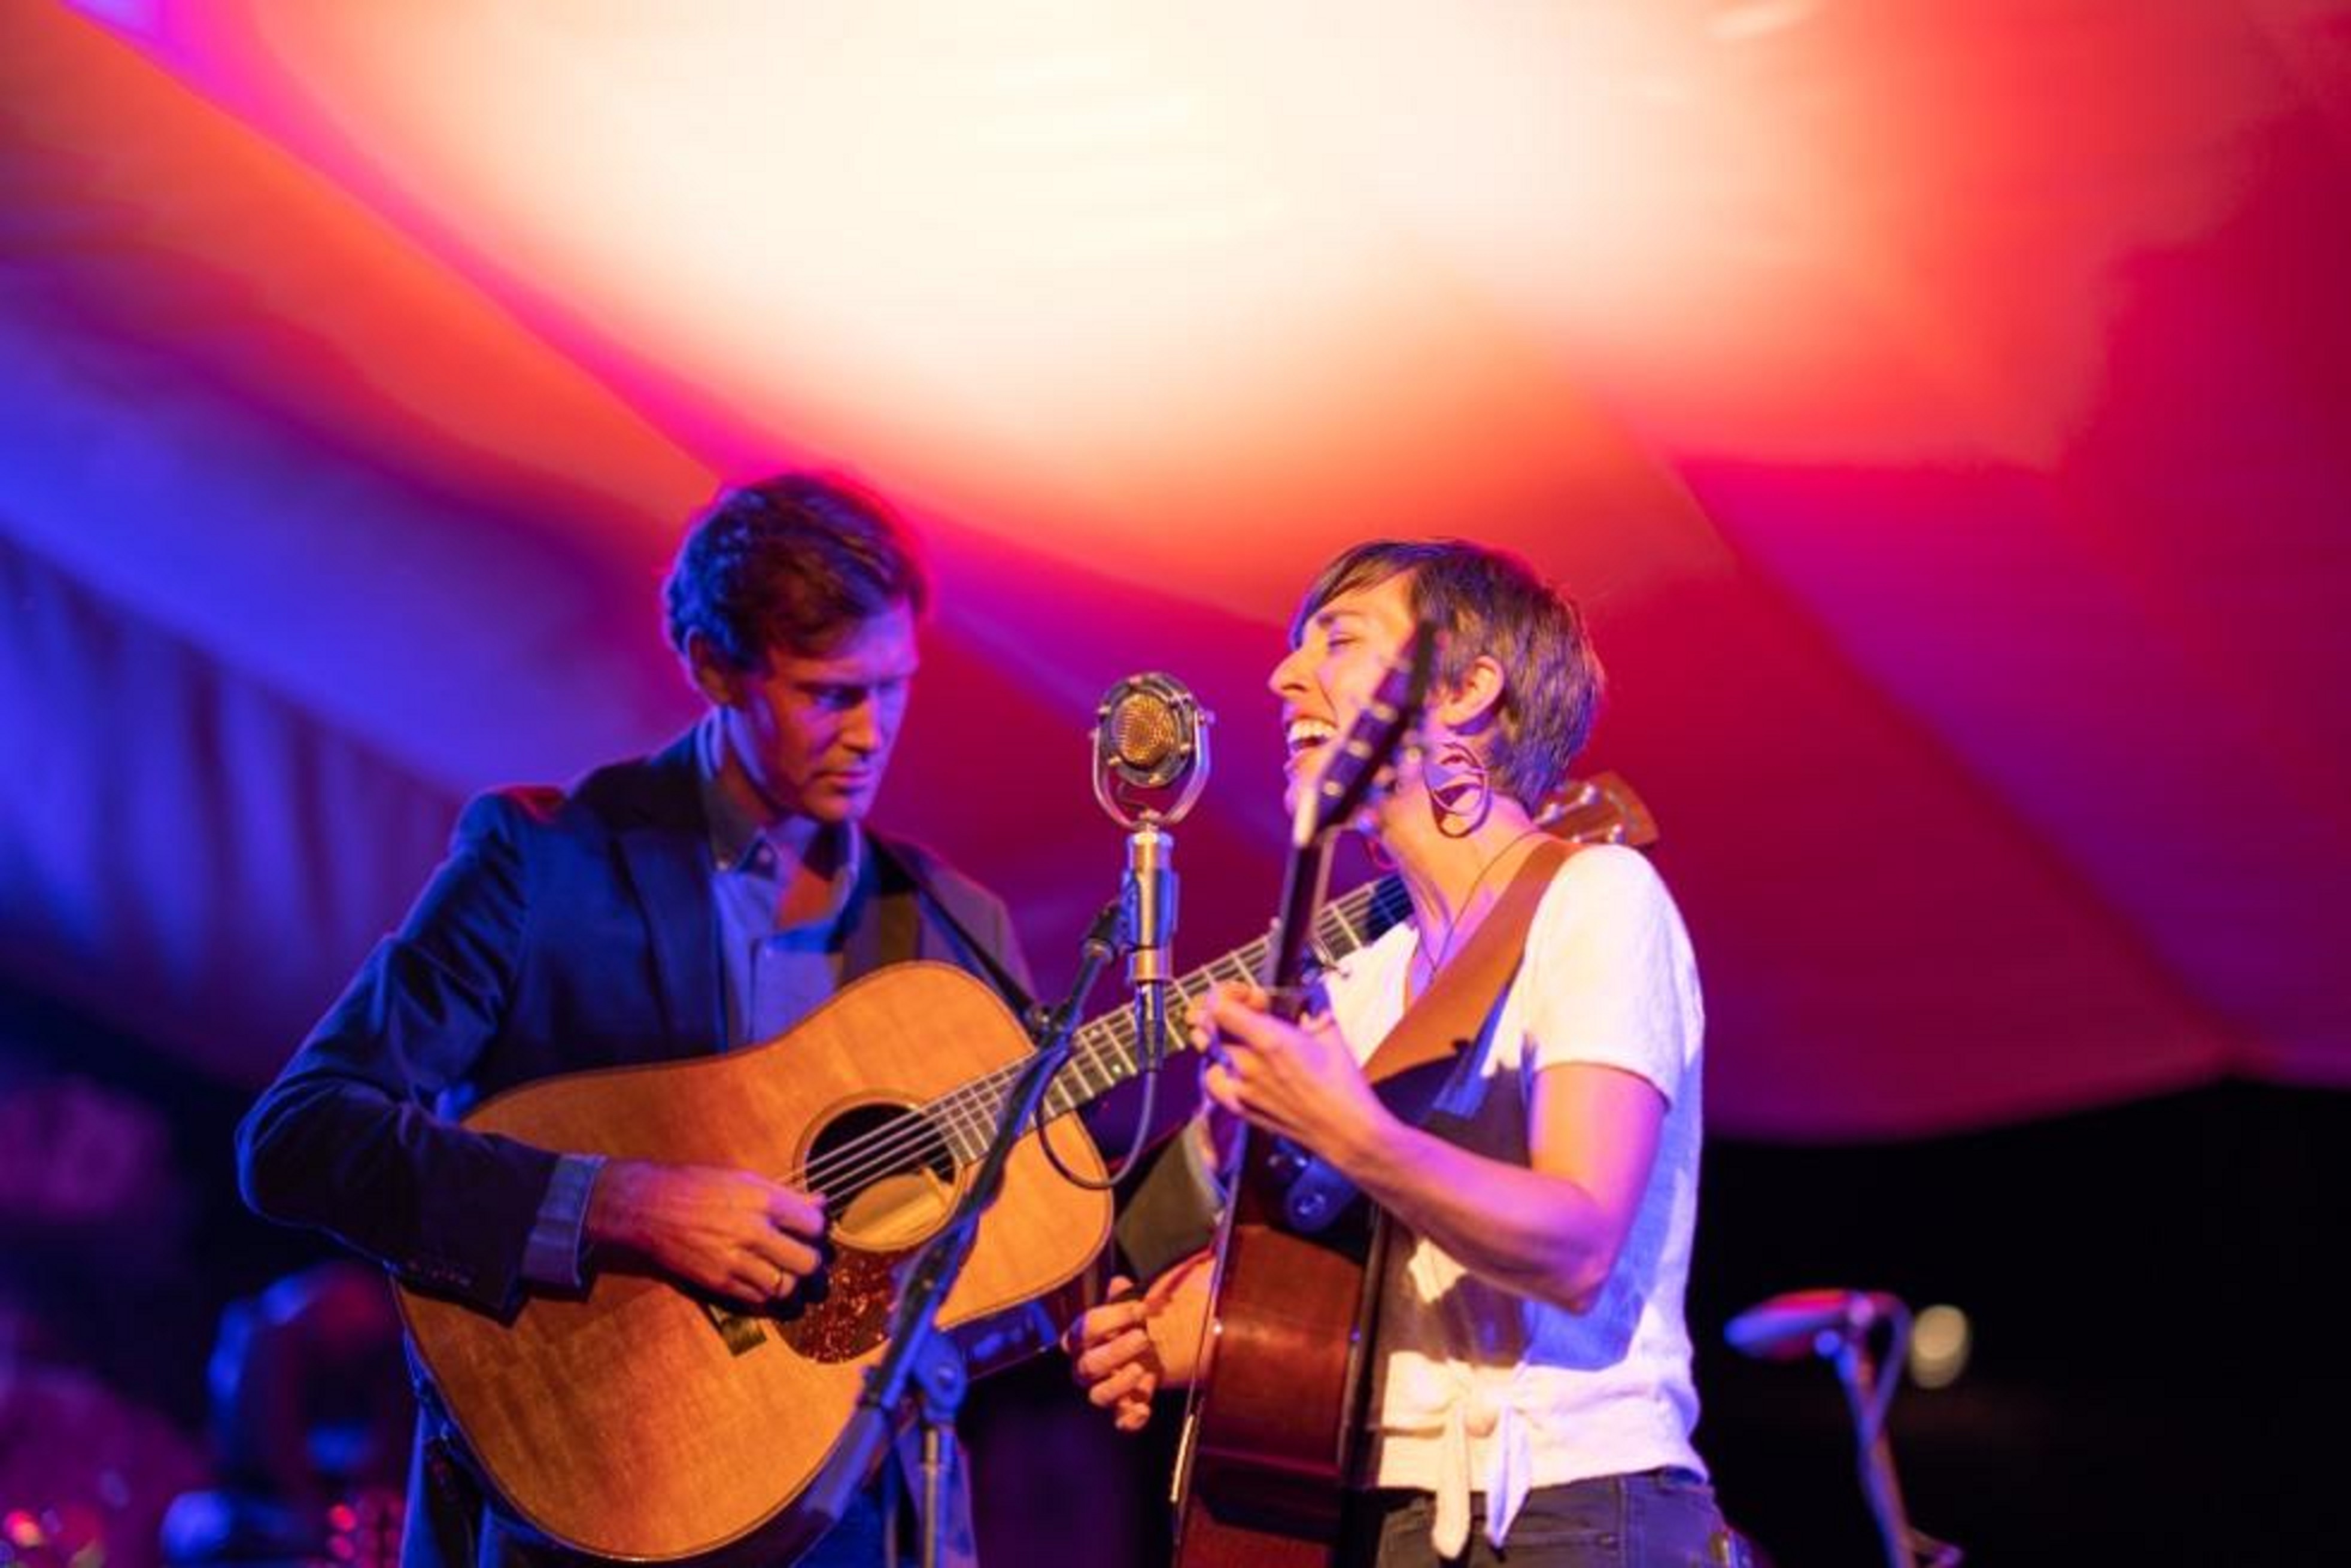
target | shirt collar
[{"x": 736, "y": 837}]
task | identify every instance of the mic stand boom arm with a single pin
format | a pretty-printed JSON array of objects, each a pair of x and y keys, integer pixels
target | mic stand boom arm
[{"x": 916, "y": 1353}]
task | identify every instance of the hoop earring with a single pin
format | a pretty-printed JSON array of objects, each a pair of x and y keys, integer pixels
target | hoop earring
[{"x": 1460, "y": 790}]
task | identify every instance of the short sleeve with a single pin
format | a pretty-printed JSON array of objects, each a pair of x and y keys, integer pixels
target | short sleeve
[{"x": 1609, "y": 978}]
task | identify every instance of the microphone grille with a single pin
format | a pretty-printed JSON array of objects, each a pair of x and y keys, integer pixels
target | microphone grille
[{"x": 1144, "y": 731}]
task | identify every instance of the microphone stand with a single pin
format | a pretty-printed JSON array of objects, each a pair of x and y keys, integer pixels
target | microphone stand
[
  {"x": 918, "y": 1353},
  {"x": 1858, "y": 1371},
  {"x": 1146, "y": 924}
]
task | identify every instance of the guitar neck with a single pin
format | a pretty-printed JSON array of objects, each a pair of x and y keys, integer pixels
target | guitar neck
[{"x": 1106, "y": 1052}]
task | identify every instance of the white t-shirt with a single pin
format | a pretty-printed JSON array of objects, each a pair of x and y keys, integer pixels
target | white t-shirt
[{"x": 1477, "y": 1388}]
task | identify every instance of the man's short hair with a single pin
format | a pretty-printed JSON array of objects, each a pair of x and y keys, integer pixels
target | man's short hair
[
  {"x": 789, "y": 565},
  {"x": 1489, "y": 602}
]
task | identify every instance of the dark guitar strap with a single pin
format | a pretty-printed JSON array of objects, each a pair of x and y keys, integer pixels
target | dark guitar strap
[
  {"x": 1414, "y": 1066},
  {"x": 1417, "y": 1060},
  {"x": 1451, "y": 1016}
]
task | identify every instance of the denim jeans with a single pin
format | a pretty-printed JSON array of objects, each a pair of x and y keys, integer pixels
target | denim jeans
[{"x": 1655, "y": 1518}]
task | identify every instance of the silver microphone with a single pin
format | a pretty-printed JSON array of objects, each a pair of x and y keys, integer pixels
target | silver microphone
[{"x": 1150, "y": 764}]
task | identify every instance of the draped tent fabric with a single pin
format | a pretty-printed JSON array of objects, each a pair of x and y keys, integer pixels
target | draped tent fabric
[{"x": 1945, "y": 418}]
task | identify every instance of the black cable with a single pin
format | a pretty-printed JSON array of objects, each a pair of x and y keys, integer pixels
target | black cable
[{"x": 1155, "y": 1057}]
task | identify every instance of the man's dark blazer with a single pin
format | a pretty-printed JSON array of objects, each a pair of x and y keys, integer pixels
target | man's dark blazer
[{"x": 566, "y": 930}]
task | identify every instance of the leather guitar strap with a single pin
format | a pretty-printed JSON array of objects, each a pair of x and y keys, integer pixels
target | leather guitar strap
[
  {"x": 1449, "y": 1017},
  {"x": 1437, "y": 1030},
  {"x": 1415, "y": 1060}
]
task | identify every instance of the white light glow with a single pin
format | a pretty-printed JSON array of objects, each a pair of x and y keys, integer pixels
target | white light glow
[{"x": 1939, "y": 1342}]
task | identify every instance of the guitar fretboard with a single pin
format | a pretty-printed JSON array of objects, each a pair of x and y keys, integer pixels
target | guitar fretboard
[{"x": 1107, "y": 1051}]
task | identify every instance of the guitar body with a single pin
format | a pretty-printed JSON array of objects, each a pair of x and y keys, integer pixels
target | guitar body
[
  {"x": 639, "y": 1422},
  {"x": 1270, "y": 1444},
  {"x": 1268, "y": 1441}
]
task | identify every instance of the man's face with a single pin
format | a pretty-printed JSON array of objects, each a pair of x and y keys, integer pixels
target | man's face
[
  {"x": 1332, "y": 674},
  {"x": 814, "y": 733}
]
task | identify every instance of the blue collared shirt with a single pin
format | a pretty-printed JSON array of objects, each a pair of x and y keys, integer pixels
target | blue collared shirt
[{"x": 775, "y": 975}]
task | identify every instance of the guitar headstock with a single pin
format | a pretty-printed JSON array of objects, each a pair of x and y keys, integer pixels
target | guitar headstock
[
  {"x": 1602, "y": 809},
  {"x": 1361, "y": 763}
]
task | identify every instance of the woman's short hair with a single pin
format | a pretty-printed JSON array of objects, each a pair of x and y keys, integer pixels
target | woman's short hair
[{"x": 1489, "y": 602}]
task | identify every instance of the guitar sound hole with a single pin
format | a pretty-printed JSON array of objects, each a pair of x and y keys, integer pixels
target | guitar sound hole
[{"x": 895, "y": 1180}]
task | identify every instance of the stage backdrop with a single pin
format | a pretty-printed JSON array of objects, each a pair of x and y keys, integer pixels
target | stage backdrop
[{"x": 1944, "y": 412}]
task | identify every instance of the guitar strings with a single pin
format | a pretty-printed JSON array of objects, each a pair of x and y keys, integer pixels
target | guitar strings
[
  {"x": 906, "y": 1143},
  {"x": 912, "y": 1140},
  {"x": 975, "y": 1107},
  {"x": 909, "y": 1140}
]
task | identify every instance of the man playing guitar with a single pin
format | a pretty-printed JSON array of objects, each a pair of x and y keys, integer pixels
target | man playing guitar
[
  {"x": 661, "y": 910},
  {"x": 1529, "y": 1381}
]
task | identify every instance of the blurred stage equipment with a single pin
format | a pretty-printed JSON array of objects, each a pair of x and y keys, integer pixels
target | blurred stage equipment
[
  {"x": 310, "y": 1418},
  {"x": 1840, "y": 1326}
]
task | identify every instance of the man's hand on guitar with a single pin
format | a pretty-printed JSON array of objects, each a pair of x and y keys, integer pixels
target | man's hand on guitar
[
  {"x": 1139, "y": 1342},
  {"x": 725, "y": 1231},
  {"x": 1297, "y": 1079}
]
